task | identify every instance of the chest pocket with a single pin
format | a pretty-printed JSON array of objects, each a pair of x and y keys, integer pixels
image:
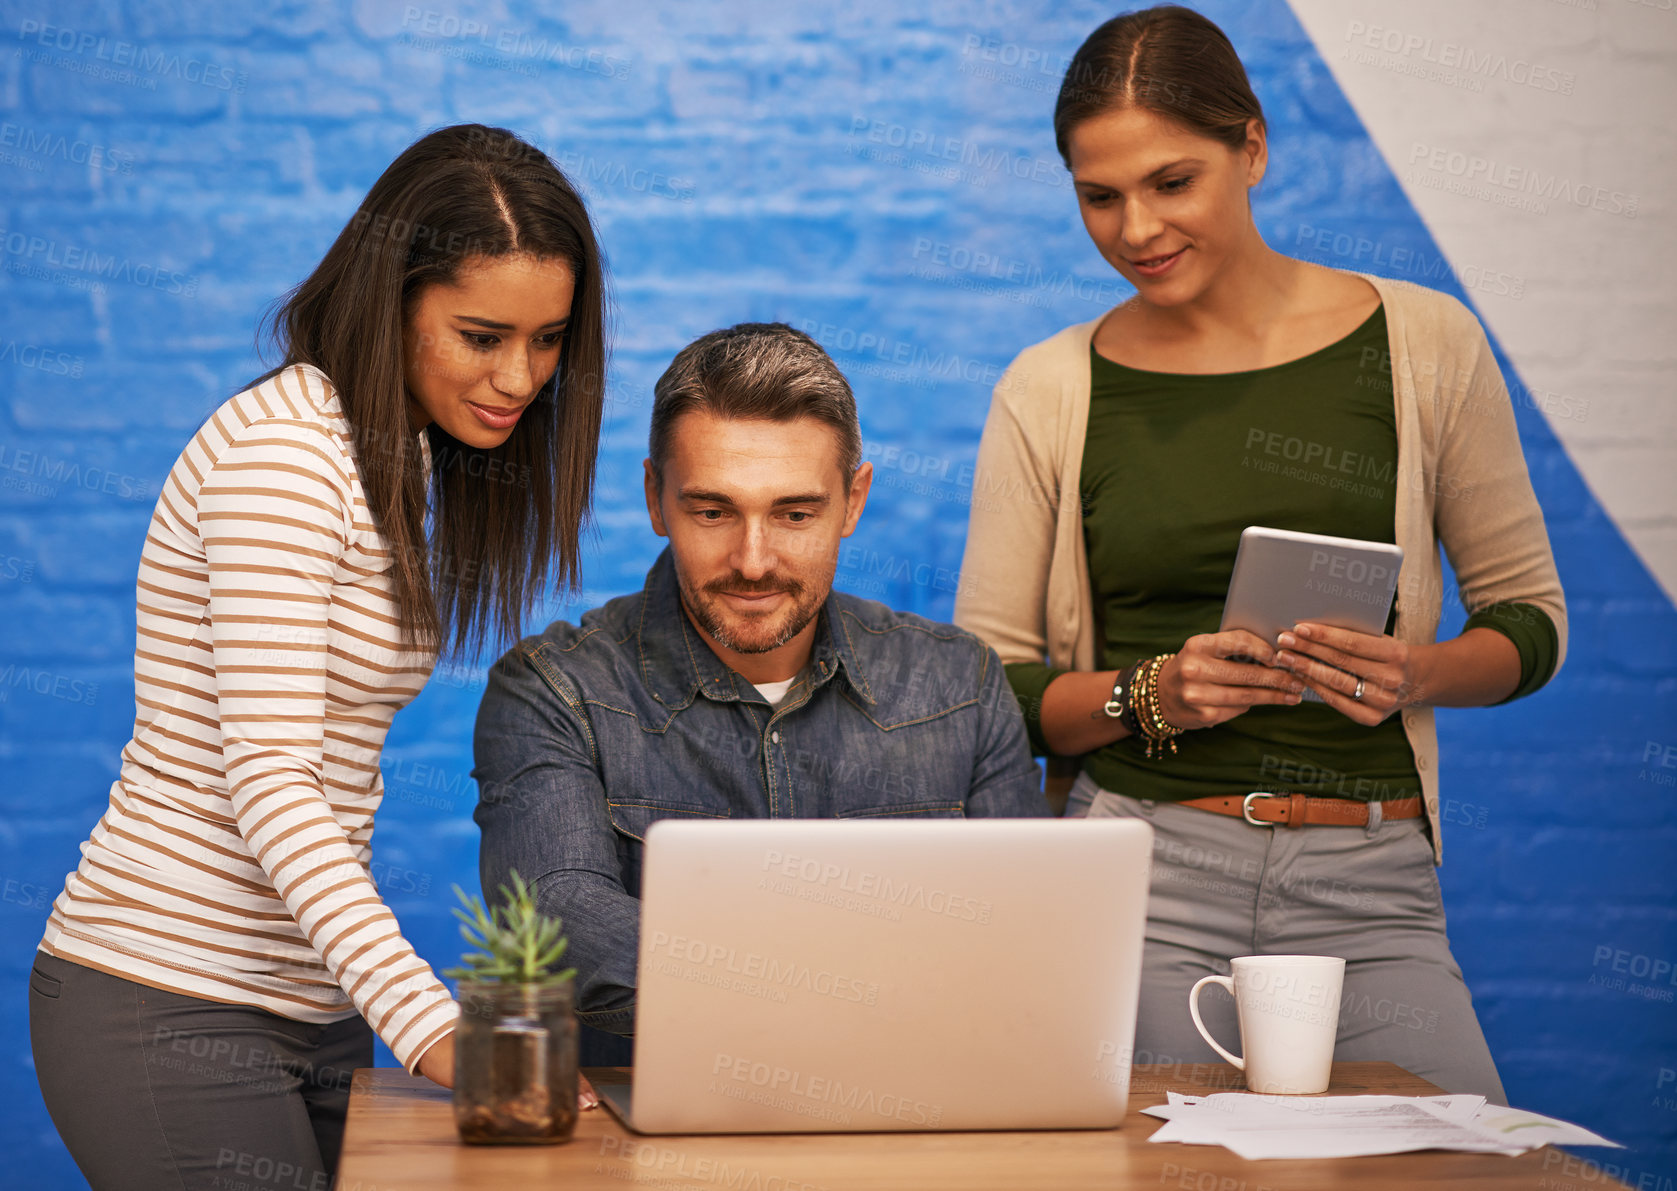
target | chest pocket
[
  {"x": 631, "y": 820},
  {"x": 634, "y": 817},
  {"x": 916, "y": 810}
]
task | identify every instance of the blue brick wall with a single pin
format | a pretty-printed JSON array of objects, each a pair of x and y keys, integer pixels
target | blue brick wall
[{"x": 880, "y": 174}]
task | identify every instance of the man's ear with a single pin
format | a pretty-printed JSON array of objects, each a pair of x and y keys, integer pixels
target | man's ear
[
  {"x": 652, "y": 509},
  {"x": 856, "y": 500}
]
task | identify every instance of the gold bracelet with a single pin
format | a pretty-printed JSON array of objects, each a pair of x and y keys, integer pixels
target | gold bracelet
[
  {"x": 1149, "y": 711},
  {"x": 1161, "y": 726}
]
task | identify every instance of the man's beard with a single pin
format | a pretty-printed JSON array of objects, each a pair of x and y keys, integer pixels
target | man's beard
[{"x": 753, "y": 634}]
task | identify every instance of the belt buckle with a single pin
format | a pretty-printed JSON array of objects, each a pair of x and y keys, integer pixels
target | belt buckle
[{"x": 1246, "y": 807}]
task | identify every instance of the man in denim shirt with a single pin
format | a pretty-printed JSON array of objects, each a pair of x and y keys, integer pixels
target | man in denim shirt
[{"x": 737, "y": 684}]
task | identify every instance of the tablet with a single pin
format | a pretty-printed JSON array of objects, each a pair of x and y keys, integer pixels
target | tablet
[{"x": 1282, "y": 577}]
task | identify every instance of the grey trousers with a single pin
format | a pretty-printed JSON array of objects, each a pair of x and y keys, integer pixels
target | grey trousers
[
  {"x": 152, "y": 1089},
  {"x": 1222, "y": 888}
]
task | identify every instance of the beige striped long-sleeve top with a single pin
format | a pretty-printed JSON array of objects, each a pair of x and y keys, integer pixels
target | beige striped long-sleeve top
[{"x": 232, "y": 862}]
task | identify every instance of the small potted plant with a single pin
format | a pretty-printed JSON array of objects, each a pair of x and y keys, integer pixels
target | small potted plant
[{"x": 515, "y": 1072}]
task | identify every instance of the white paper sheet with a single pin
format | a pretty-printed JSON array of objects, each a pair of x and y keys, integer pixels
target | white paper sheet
[
  {"x": 1257, "y": 1127},
  {"x": 1532, "y": 1129}
]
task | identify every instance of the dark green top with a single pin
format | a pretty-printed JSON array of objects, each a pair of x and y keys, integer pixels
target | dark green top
[{"x": 1174, "y": 467}]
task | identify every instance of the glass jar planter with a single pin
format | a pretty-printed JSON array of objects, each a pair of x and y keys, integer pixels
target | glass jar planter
[{"x": 515, "y": 1076}]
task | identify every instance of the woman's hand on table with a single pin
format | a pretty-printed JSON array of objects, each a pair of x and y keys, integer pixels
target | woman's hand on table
[
  {"x": 1217, "y": 676},
  {"x": 1338, "y": 663},
  {"x": 437, "y": 1065}
]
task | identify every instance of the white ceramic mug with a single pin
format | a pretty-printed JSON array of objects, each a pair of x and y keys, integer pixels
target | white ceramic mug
[{"x": 1288, "y": 1008}]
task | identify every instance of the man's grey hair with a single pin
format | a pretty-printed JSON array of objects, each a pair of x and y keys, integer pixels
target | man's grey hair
[{"x": 767, "y": 371}]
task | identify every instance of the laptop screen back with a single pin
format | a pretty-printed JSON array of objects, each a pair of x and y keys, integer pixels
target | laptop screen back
[{"x": 830, "y": 975}]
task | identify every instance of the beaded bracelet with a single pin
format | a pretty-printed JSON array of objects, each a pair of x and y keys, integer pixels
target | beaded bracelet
[{"x": 1148, "y": 708}]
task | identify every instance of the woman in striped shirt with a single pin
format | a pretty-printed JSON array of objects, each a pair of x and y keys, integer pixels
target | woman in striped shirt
[{"x": 411, "y": 478}]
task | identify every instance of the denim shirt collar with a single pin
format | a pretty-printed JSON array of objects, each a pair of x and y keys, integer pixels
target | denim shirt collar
[{"x": 677, "y": 664}]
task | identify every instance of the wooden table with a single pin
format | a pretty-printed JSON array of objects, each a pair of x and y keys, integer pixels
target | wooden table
[{"x": 401, "y": 1138}]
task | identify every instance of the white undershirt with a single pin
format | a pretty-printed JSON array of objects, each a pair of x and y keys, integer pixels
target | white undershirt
[{"x": 775, "y": 692}]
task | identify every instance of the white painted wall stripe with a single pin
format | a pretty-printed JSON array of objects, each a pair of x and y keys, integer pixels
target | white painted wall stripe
[{"x": 1537, "y": 140}]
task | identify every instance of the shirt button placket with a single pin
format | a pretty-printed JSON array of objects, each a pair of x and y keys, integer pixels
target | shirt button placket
[{"x": 778, "y": 777}]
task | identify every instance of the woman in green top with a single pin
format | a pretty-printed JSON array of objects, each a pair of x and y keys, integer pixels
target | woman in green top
[{"x": 1242, "y": 387}]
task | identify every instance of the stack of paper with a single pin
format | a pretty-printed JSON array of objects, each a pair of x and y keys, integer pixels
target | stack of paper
[{"x": 1256, "y": 1126}]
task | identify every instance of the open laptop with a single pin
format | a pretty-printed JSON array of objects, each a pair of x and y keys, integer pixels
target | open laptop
[{"x": 819, "y": 975}]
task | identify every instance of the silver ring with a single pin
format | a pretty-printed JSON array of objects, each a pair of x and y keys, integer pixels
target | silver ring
[{"x": 1358, "y": 693}]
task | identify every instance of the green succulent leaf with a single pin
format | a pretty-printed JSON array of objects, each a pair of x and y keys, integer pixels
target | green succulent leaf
[{"x": 513, "y": 942}]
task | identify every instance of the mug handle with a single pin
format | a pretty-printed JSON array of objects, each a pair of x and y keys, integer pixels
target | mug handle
[{"x": 1194, "y": 1009}]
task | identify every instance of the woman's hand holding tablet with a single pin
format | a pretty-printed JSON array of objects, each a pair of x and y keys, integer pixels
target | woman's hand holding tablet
[
  {"x": 1338, "y": 591},
  {"x": 1216, "y": 676},
  {"x": 1364, "y": 676}
]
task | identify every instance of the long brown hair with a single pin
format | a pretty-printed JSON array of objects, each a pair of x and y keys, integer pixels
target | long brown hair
[
  {"x": 1167, "y": 60},
  {"x": 502, "y": 520}
]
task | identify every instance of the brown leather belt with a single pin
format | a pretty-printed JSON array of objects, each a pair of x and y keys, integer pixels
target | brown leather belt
[{"x": 1300, "y": 810}]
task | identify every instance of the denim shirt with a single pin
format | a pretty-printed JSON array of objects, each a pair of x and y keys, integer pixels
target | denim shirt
[{"x": 588, "y": 734}]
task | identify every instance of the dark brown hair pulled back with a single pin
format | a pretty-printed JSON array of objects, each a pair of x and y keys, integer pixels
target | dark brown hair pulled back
[
  {"x": 502, "y": 521},
  {"x": 1168, "y": 60}
]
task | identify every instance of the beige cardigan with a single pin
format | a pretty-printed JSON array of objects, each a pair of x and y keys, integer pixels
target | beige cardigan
[{"x": 1462, "y": 482}]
